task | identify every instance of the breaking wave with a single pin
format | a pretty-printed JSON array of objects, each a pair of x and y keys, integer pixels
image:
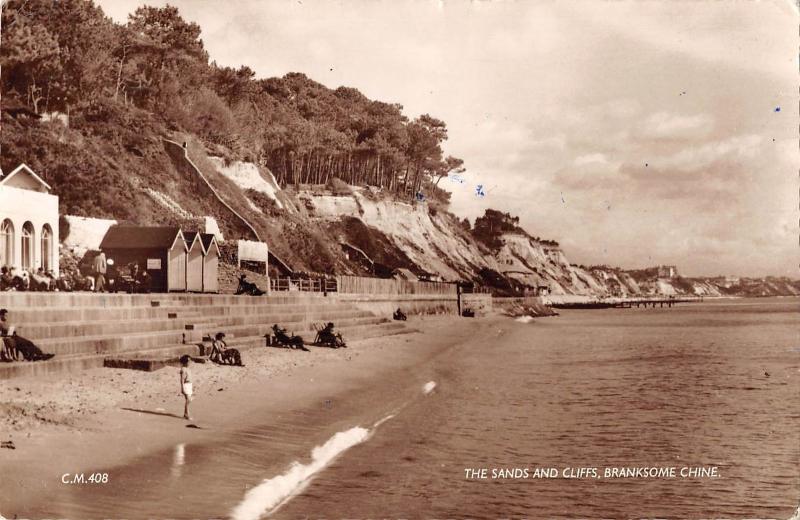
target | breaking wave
[{"x": 272, "y": 493}]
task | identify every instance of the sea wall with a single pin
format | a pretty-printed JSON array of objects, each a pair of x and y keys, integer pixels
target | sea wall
[
  {"x": 526, "y": 306},
  {"x": 386, "y": 304},
  {"x": 482, "y": 304}
]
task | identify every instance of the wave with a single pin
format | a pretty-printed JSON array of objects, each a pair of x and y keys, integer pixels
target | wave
[{"x": 271, "y": 494}]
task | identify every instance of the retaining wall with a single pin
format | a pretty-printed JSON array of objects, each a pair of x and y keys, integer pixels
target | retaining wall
[{"x": 386, "y": 304}]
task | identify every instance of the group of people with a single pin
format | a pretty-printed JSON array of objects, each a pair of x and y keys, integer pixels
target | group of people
[
  {"x": 12, "y": 279},
  {"x": 106, "y": 277},
  {"x": 14, "y": 346}
]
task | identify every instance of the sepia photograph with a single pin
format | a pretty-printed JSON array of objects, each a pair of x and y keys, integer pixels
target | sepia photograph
[{"x": 400, "y": 259}]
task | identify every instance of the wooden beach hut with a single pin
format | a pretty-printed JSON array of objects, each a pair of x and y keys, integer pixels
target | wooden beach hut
[
  {"x": 195, "y": 253},
  {"x": 210, "y": 262},
  {"x": 159, "y": 250}
]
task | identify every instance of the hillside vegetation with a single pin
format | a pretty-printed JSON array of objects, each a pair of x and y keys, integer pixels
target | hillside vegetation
[{"x": 134, "y": 122}]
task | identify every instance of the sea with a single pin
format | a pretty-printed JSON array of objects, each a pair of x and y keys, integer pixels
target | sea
[{"x": 684, "y": 412}]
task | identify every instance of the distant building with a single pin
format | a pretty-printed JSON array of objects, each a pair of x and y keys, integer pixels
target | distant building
[
  {"x": 28, "y": 222},
  {"x": 425, "y": 276},
  {"x": 667, "y": 271}
]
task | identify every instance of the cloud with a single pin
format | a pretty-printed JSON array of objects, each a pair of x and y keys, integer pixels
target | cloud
[
  {"x": 663, "y": 125},
  {"x": 590, "y": 158}
]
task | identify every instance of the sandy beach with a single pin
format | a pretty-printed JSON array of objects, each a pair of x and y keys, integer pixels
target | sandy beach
[{"x": 103, "y": 418}]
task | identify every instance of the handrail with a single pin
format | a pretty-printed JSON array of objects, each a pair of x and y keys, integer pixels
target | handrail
[
  {"x": 325, "y": 285},
  {"x": 213, "y": 190}
]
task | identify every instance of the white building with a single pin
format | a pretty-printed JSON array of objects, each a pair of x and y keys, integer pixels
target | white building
[{"x": 28, "y": 222}]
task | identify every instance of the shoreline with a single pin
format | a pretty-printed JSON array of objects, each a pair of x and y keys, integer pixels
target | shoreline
[{"x": 106, "y": 418}]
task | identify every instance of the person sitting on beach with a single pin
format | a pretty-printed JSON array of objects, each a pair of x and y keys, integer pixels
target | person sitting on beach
[
  {"x": 218, "y": 346},
  {"x": 222, "y": 354},
  {"x": 327, "y": 336},
  {"x": 7, "y": 350},
  {"x": 16, "y": 344},
  {"x": 399, "y": 315},
  {"x": 186, "y": 385}
]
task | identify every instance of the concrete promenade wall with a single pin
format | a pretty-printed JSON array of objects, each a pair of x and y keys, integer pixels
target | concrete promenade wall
[
  {"x": 380, "y": 304},
  {"x": 537, "y": 303},
  {"x": 478, "y": 302},
  {"x": 386, "y": 304}
]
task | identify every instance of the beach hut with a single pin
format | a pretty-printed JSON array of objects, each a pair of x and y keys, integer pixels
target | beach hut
[
  {"x": 159, "y": 250},
  {"x": 195, "y": 253},
  {"x": 210, "y": 262}
]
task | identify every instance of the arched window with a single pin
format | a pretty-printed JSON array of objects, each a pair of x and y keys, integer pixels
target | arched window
[
  {"x": 28, "y": 240},
  {"x": 47, "y": 247},
  {"x": 6, "y": 243}
]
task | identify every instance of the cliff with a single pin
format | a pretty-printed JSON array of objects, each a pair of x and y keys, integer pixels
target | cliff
[{"x": 129, "y": 167}]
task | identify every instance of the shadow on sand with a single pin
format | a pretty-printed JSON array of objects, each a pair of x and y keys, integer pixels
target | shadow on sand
[{"x": 154, "y": 412}]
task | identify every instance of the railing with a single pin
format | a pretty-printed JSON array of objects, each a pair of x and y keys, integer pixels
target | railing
[
  {"x": 363, "y": 285},
  {"x": 303, "y": 284},
  {"x": 475, "y": 290}
]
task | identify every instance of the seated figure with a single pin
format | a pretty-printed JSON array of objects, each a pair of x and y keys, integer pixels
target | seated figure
[
  {"x": 282, "y": 339},
  {"x": 246, "y": 287},
  {"x": 6, "y": 280},
  {"x": 222, "y": 354},
  {"x": 399, "y": 315},
  {"x": 15, "y": 346},
  {"x": 327, "y": 337},
  {"x": 218, "y": 346},
  {"x": 40, "y": 281}
]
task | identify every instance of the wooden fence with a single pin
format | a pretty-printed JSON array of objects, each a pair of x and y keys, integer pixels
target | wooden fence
[
  {"x": 362, "y": 285},
  {"x": 302, "y": 284}
]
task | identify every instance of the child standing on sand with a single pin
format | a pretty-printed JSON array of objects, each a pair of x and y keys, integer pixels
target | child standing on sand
[{"x": 186, "y": 385}]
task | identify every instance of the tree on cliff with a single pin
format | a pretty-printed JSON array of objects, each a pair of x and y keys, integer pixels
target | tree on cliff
[
  {"x": 68, "y": 55},
  {"x": 490, "y": 227}
]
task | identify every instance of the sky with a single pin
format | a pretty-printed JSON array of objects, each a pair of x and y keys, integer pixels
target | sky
[{"x": 634, "y": 133}]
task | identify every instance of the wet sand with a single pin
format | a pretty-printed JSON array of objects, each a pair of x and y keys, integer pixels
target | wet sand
[{"x": 105, "y": 418}]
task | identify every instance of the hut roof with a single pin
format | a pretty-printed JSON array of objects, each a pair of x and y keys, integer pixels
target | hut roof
[
  {"x": 207, "y": 239},
  {"x": 140, "y": 237},
  {"x": 189, "y": 237}
]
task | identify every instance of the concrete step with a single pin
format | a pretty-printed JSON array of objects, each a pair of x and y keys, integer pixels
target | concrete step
[
  {"x": 75, "y": 314},
  {"x": 21, "y": 316},
  {"x": 52, "y": 330},
  {"x": 154, "y": 358},
  {"x": 104, "y": 344},
  {"x": 57, "y": 365},
  {"x": 281, "y": 318},
  {"x": 303, "y": 327},
  {"x": 39, "y": 300},
  {"x": 108, "y": 327}
]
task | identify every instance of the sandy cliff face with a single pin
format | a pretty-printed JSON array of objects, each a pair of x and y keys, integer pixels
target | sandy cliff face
[
  {"x": 432, "y": 242},
  {"x": 249, "y": 177}
]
